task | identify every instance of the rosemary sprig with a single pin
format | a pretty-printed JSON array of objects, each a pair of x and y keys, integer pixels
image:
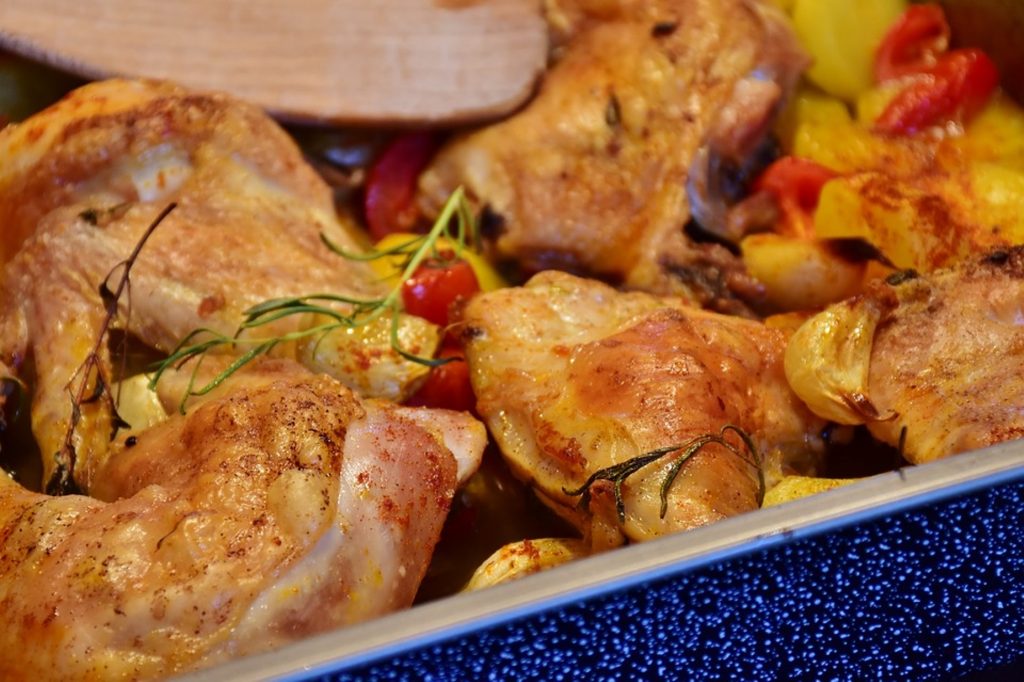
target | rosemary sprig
[
  {"x": 618, "y": 473},
  {"x": 92, "y": 383},
  {"x": 342, "y": 312}
]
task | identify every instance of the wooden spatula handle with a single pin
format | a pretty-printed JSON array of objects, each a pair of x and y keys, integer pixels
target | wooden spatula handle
[{"x": 337, "y": 60}]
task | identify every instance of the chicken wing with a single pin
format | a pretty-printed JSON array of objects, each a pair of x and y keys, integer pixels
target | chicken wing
[
  {"x": 930, "y": 363},
  {"x": 573, "y": 377},
  {"x": 642, "y": 98},
  {"x": 80, "y": 184},
  {"x": 277, "y": 509}
]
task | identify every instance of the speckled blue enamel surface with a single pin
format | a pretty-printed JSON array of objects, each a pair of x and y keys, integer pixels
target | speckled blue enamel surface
[{"x": 932, "y": 593}]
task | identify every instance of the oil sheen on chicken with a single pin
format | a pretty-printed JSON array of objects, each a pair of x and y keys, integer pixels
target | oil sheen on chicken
[
  {"x": 278, "y": 508},
  {"x": 930, "y": 360},
  {"x": 80, "y": 183},
  {"x": 573, "y": 377},
  {"x": 642, "y": 99}
]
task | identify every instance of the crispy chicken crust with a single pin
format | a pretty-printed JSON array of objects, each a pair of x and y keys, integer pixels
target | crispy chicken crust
[
  {"x": 942, "y": 358},
  {"x": 642, "y": 97},
  {"x": 280, "y": 508},
  {"x": 572, "y": 376},
  {"x": 80, "y": 184}
]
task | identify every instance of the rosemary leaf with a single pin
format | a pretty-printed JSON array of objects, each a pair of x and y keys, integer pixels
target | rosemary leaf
[
  {"x": 375, "y": 254},
  {"x": 281, "y": 313},
  {"x": 341, "y": 311},
  {"x": 618, "y": 473}
]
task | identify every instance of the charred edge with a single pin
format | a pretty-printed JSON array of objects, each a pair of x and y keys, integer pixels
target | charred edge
[
  {"x": 706, "y": 280},
  {"x": 998, "y": 258},
  {"x": 734, "y": 178},
  {"x": 62, "y": 482},
  {"x": 696, "y": 232},
  {"x": 663, "y": 29},
  {"x": 1010, "y": 260},
  {"x": 91, "y": 216},
  {"x": 100, "y": 217},
  {"x": 491, "y": 223},
  {"x": 853, "y": 250},
  {"x": 469, "y": 333},
  {"x": 862, "y": 405},
  {"x": 898, "y": 278},
  {"x": 613, "y": 112}
]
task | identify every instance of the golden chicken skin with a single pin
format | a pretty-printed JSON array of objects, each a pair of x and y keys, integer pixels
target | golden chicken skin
[
  {"x": 80, "y": 185},
  {"x": 931, "y": 363},
  {"x": 277, "y": 505},
  {"x": 649, "y": 113},
  {"x": 280, "y": 507},
  {"x": 578, "y": 383}
]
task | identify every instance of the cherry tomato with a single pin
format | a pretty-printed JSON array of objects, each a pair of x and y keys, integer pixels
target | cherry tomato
[
  {"x": 389, "y": 268},
  {"x": 796, "y": 184},
  {"x": 436, "y": 284},
  {"x": 447, "y": 385},
  {"x": 957, "y": 87},
  {"x": 913, "y": 43},
  {"x": 389, "y": 202}
]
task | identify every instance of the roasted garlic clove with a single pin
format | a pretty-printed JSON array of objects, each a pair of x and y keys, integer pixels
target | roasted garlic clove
[
  {"x": 828, "y": 359},
  {"x": 519, "y": 559},
  {"x": 794, "y": 487},
  {"x": 362, "y": 357},
  {"x": 137, "y": 403}
]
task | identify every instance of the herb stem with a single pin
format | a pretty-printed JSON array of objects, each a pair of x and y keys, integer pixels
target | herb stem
[
  {"x": 62, "y": 481},
  {"x": 618, "y": 473},
  {"x": 361, "y": 312}
]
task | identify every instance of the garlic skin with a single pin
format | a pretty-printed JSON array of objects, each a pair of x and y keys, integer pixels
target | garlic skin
[
  {"x": 519, "y": 559},
  {"x": 828, "y": 361}
]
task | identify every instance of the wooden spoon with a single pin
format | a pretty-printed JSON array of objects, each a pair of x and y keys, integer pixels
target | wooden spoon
[{"x": 352, "y": 61}]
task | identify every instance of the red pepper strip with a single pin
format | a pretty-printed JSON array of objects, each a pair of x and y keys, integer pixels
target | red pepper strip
[
  {"x": 796, "y": 184},
  {"x": 436, "y": 284},
  {"x": 957, "y": 87},
  {"x": 447, "y": 386},
  {"x": 913, "y": 44},
  {"x": 389, "y": 202}
]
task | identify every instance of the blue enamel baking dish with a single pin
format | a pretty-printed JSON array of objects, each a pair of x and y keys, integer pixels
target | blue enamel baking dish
[{"x": 912, "y": 574}]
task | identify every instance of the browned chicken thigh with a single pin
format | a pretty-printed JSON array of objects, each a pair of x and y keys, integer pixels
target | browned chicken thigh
[
  {"x": 934, "y": 361},
  {"x": 573, "y": 377},
  {"x": 643, "y": 98},
  {"x": 79, "y": 186},
  {"x": 280, "y": 507},
  {"x": 282, "y": 504}
]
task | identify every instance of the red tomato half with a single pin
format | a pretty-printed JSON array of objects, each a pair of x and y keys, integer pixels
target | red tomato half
[
  {"x": 437, "y": 284},
  {"x": 956, "y": 88},
  {"x": 796, "y": 185},
  {"x": 943, "y": 86},
  {"x": 913, "y": 43},
  {"x": 448, "y": 385},
  {"x": 389, "y": 202}
]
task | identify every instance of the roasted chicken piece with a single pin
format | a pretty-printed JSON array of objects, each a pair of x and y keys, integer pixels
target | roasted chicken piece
[
  {"x": 573, "y": 377},
  {"x": 931, "y": 364},
  {"x": 81, "y": 182},
  {"x": 642, "y": 98},
  {"x": 282, "y": 507}
]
